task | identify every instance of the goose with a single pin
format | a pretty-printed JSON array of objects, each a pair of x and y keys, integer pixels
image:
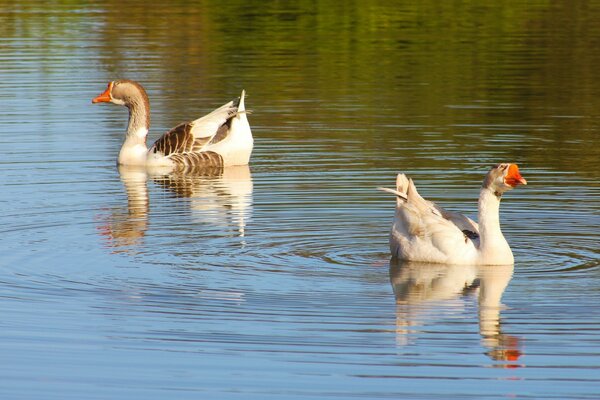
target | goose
[
  {"x": 219, "y": 139},
  {"x": 423, "y": 231}
]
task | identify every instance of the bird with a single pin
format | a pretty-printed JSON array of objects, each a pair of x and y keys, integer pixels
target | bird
[
  {"x": 423, "y": 231},
  {"x": 219, "y": 139}
]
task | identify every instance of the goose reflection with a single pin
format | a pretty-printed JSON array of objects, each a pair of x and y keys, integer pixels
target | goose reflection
[
  {"x": 124, "y": 228},
  {"x": 424, "y": 291},
  {"x": 218, "y": 196}
]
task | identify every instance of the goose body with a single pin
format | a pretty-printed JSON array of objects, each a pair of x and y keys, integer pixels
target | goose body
[
  {"x": 218, "y": 139},
  {"x": 423, "y": 231}
]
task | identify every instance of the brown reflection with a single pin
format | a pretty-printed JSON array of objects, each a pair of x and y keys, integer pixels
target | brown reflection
[
  {"x": 424, "y": 291},
  {"x": 219, "y": 196},
  {"x": 124, "y": 228}
]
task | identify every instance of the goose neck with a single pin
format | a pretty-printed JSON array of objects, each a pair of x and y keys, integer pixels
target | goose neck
[
  {"x": 134, "y": 149},
  {"x": 139, "y": 118},
  {"x": 489, "y": 218}
]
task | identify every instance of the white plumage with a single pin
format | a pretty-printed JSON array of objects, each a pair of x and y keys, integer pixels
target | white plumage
[{"x": 423, "y": 231}]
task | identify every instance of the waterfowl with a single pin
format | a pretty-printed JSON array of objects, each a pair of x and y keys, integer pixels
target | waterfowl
[
  {"x": 219, "y": 139},
  {"x": 423, "y": 231}
]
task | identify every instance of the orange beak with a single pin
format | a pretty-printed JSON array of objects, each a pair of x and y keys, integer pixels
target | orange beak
[
  {"x": 104, "y": 97},
  {"x": 513, "y": 177},
  {"x": 512, "y": 354}
]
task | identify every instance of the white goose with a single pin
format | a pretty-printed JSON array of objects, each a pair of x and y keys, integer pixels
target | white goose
[
  {"x": 221, "y": 138},
  {"x": 423, "y": 231}
]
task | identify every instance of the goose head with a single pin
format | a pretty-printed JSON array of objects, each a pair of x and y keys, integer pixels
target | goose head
[
  {"x": 123, "y": 92},
  {"x": 503, "y": 177},
  {"x": 132, "y": 95}
]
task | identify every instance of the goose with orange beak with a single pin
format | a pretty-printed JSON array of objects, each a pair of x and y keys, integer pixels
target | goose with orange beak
[
  {"x": 219, "y": 139},
  {"x": 423, "y": 231}
]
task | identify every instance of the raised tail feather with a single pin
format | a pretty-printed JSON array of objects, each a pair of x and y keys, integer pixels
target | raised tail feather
[
  {"x": 241, "y": 106},
  {"x": 402, "y": 185},
  {"x": 239, "y": 103}
]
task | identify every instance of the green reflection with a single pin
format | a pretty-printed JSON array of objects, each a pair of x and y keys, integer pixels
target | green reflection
[{"x": 475, "y": 81}]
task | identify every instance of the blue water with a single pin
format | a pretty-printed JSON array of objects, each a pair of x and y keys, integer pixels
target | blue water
[{"x": 274, "y": 280}]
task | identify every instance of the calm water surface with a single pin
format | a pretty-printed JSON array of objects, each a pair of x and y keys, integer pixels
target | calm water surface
[{"x": 273, "y": 281}]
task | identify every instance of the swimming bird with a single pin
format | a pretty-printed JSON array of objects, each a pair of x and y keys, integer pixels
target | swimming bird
[
  {"x": 220, "y": 138},
  {"x": 423, "y": 231}
]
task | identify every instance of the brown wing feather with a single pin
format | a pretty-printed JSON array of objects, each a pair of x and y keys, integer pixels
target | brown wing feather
[
  {"x": 222, "y": 132},
  {"x": 185, "y": 150},
  {"x": 188, "y": 162},
  {"x": 179, "y": 140}
]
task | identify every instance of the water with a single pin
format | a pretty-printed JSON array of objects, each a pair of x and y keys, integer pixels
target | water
[{"x": 274, "y": 280}]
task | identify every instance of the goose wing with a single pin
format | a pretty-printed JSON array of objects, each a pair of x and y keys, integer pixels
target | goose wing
[
  {"x": 424, "y": 231},
  {"x": 194, "y": 136}
]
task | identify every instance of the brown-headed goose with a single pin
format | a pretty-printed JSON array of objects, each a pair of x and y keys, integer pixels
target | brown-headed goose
[
  {"x": 423, "y": 231},
  {"x": 220, "y": 138}
]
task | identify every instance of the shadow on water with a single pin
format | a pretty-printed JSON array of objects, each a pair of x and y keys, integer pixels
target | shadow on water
[
  {"x": 423, "y": 290},
  {"x": 221, "y": 197}
]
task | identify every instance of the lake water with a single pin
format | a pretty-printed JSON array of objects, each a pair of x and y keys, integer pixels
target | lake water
[{"x": 274, "y": 281}]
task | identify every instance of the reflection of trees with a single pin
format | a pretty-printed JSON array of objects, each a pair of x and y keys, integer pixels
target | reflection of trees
[
  {"x": 517, "y": 67},
  {"x": 423, "y": 291}
]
